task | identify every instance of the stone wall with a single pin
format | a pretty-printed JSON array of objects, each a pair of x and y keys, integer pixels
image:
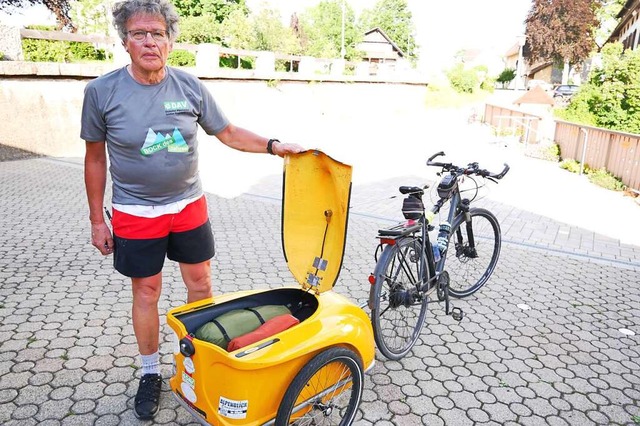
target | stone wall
[
  {"x": 41, "y": 113},
  {"x": 10, "y": 43}
]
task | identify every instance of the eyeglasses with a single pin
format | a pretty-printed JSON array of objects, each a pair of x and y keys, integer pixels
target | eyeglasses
[{"x": 140, "y": 35}]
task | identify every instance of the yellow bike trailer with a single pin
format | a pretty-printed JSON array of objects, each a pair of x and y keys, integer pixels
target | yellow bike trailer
[{"x": 310, "y": 373}]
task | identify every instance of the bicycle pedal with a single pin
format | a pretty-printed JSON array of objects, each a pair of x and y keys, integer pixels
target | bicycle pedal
[{"x": 457, "y": 314}]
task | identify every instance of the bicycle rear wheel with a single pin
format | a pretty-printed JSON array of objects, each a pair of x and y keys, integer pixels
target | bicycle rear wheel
[
  {"x": 398, "y": 309},
  {"x": 473, "y": 252}
]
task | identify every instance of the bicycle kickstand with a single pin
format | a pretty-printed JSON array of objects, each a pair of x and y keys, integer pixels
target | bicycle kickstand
[{"x": 443, "y": 294}]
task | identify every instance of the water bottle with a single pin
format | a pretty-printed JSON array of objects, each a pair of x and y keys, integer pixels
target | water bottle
[
  {"x": 436, "y": 252},
  {"x": 443, "y": 236}
]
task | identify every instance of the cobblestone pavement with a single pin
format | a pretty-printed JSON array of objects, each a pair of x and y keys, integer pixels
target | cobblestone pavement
[{"x": 543, "y": 343}]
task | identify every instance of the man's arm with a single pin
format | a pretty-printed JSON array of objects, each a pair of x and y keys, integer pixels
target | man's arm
[
  {"x": 247, "y": 141},
  {"x": 95, "y": 180}
]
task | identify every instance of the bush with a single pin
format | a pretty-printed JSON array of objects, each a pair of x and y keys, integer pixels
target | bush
[
  {"x": 46, "y": 50},
  {"x": 578, "y": 109},
  {"x": 37, "y": 50},
  {"x": 181, "y": 58},
  {"x": 488, "y": 84},
  {"x": 231, "y": 61},
  {"x": 571, "y": 165},
  {"x": 41, "y": 27},
  {"x": 544, "y": 152},
  {"x": 463, "y": 81},
  {"x": 86, "y": 51},
  {"x": 603, "y": 178},
  {"x": 506, "y": 76},
  {"x": 610, "y": 99}
]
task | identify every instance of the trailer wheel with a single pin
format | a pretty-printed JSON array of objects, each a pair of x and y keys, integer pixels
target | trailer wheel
[{"x": 327, "y": 390}]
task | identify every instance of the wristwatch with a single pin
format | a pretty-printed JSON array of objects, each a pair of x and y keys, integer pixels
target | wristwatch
[{"x": 270, "y": 146}]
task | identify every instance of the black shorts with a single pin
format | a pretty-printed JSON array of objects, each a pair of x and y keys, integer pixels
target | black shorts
[{"x": 141, "y": 244}]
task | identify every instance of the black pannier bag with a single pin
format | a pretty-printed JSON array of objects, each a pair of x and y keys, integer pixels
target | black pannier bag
[{"x": 412, "y": 208}]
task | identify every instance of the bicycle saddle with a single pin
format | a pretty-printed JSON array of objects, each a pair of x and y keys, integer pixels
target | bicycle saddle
[{"x": 413, "y": 190}]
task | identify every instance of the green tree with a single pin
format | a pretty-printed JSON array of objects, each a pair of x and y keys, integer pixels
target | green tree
[
  {"x": 562, "y": 31},
  {"x": 611, "y": 97},
  {"x": 199, "y": 29},
  {"x": 463, "y": 80},
  {"x": 91, "y": 16},
  {"x": 271, "y": 34},
  {"x": 60, "y": 8},
  {"x": 506, "y": 76},
  {"x": 237, "y": 31},
  {"x": 395, "y": 19},
  {"x": 221, "y": 9},
  {"x": 320, "y": 30}
]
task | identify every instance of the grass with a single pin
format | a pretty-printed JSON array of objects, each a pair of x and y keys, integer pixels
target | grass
[
  {"x": 603, "y": 178},
  {"x": 447, "y": 97}
]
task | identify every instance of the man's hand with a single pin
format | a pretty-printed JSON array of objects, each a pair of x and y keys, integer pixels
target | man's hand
[
  {"x": 282, "y": 149},
  {"x": 101, "y": 238}
]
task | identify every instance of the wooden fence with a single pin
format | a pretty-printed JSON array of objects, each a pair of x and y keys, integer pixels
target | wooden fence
[
  {"x": 617, "y": 152},
  {"x": 508, "y": 120}
]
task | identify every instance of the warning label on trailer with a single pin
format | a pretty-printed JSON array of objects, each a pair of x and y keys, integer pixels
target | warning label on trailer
[{"x": 233, "y": 409}]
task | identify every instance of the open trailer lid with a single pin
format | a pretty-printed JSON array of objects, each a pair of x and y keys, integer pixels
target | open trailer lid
[{"x": 315, "y": 210}]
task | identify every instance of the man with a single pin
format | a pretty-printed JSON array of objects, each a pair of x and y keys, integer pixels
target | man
[{"x": 147, "y": 116}]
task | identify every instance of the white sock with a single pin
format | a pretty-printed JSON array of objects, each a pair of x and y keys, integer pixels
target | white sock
[{"x": 150, "y": 363}]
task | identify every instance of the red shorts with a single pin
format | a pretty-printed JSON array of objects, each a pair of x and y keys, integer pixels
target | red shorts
[{"x": 142, "y": 243}]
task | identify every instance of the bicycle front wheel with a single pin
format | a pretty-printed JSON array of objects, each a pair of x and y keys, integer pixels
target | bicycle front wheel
[
  {"x": 474, "y": 248},
  {"x": 399, "y": 309}
]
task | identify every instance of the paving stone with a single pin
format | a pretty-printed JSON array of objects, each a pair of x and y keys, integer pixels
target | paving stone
[{"x": 68, "y": 351}]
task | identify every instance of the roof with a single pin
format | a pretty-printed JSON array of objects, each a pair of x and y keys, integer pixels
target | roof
[
  {"x": 537, "y": 95},
  {"x": 513, "y": 50},
  {"x": 540, "y": 66},
  {"x": 386, "y": 37},
  {"x": 625, "y": 14},
  {"x": 625, "y": 9}
]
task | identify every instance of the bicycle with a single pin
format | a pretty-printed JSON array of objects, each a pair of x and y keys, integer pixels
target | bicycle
[{"x": 410, "y": 268}]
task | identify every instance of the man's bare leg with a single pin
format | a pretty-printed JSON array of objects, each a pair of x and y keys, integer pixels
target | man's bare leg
[{"x": 197, "y": 278}]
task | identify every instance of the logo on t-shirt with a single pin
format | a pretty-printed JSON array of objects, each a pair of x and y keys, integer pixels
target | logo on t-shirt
[
  {"x": 155, "y": 142},
  {"x": 174, "y": 107}
]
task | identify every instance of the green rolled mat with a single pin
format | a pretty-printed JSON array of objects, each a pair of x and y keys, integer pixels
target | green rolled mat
[{"x": 237, "y": 322}]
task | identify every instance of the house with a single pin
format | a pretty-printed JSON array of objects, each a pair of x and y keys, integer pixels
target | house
[
  {"x": 511, "y": 57},
  {"x": 628, "y": 25},
  {"x": 542, "y": 71},
  {"x": 380, "y": 52}
]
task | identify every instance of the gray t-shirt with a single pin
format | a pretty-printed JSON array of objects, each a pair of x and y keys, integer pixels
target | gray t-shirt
[{"x": 151, "y": 133}]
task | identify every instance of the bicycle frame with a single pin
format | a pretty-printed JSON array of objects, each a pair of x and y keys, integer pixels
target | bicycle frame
[
  {"x": 409, "y": 268},
  {"x": 431, "y": 272}
]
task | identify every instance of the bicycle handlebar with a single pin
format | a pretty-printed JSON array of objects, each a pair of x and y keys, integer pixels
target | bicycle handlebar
[{"x": 470, "y": 169}]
